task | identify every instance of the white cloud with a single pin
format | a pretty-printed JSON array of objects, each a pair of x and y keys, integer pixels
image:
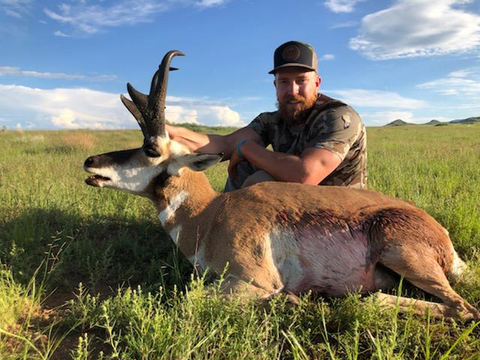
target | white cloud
[
  {"x": 327, "y": 57},
  {"x": 86, "y": 108},
  {"x": 61, "y": 34},
  {"x": 66, "y": 120},
  {"x": 377, "y": 99},
  {"x": 384, "y": 117},
  {"x": 13, "y": 13},
  {"x": 201, "y": 112},
  {"x": 210, "y": 3},
  {"x": 226, "y": 116},
  {"x": 90, "y": 18},
  {"x": 15, "y": 71},
  {"x": 15, "y": 8},
  {"x": 15, "y": 3},
  {"x": 207, "y": 112},
  {"x": 62, "y": 108},
  {"x": 465, "y": 106},
  {"x": 177, "y": 114},
  {"x": 461, "y": 73},
  {"x": 341, "y": 5},
  {"x": 413, "y": 28},
  {"x": 464, "y": 82},
  {"x": 344, "y": 25}
]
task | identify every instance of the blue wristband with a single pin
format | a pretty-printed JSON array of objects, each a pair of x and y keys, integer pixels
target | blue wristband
[{"x": 239, "y": 145}]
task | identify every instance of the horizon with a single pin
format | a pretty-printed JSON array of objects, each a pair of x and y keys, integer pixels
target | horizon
[
  {"x": 448, "y": 122},
  {"x": 65, "y": 63}
]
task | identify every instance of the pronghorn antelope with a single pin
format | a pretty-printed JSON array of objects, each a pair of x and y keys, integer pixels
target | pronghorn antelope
[{"x": 281, "y": 237}]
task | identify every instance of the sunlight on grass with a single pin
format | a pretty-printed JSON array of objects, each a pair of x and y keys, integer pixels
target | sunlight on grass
[{"x": 137, "y": 298}]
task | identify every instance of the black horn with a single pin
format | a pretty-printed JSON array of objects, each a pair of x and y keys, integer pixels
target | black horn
[
  {"x": 150, "y": 110},
  {"x": 130, "y": 105},
  {"x": 158, "y": 93}
]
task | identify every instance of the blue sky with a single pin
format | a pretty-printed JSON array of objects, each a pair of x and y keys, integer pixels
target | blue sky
[{"x": 64, "y": 63}]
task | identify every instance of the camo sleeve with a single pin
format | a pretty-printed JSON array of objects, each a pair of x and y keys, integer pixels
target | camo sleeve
[
  {"x": 336, "y": 130},
  {"x": 263, "y": 126}
]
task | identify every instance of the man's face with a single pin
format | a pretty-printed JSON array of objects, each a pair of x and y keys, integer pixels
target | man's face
[{"x": 296, "y": 92}]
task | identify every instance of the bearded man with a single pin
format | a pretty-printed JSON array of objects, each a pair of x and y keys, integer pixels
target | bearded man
[{"x": 316, "y": 140}]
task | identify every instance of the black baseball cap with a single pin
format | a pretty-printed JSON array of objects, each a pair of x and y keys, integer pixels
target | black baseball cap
[{"x": 295, "y": 53}]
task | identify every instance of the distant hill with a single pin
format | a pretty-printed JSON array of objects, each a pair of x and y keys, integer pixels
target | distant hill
[
  {"x": 433, "y": 122},
  {"x": 398, "y": 122},
  {"x": 470, "y": 120}
]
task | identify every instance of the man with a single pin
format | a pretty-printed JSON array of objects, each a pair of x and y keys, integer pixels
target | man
[{"x": 316, "y": 140}]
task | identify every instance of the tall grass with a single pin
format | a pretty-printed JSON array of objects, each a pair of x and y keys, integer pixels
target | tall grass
[{"x": 88, "y": 273}]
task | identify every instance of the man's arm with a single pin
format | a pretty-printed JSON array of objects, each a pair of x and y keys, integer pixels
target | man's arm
[
  {"x": 311, "y": 167},
  {"x": 330, "y": 140},
  {"x": 212, "y": 144}
]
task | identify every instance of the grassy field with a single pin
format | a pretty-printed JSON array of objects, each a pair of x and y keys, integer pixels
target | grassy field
[{"x": 89, "y": 274}]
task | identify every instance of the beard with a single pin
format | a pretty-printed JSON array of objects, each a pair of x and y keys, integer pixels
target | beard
[{"x": 295, "y": 114}]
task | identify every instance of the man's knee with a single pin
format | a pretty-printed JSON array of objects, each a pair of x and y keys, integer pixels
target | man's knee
[
  {"x": 257, "y": 177},
  {"x": 244, "y": 170},
  {"x": 247, "y": 175}
]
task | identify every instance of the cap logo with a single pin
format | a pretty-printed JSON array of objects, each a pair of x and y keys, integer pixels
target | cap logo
[{"x": 291, "y": 53}]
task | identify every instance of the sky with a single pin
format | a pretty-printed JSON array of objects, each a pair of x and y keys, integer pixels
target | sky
[{"x": 63, "y": 64}]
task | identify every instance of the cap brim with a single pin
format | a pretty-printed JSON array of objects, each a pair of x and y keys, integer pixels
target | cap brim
[{"x": 291, "y": 65}]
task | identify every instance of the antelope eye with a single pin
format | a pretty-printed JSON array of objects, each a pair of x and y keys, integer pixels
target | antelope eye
[{"x": 151, "y": 152}]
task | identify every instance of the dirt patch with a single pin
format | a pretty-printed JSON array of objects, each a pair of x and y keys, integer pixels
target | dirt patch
[
  {"x": 60, "y": 298},
  {"x": 54, "y": 308}
]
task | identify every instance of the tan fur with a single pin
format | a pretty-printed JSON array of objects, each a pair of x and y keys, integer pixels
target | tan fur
[{"x": 230, "y": 228}]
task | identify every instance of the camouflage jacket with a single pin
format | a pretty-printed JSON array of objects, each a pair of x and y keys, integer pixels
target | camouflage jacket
[{"x": 332, "y": 125}]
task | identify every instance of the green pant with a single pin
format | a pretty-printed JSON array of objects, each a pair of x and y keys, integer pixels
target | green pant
[{"x": 247, "y": 175}]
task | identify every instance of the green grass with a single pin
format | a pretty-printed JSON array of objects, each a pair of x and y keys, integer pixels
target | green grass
[{"x": 127, "y": 293}]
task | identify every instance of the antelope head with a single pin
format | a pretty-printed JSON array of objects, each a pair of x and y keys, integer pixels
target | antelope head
[{"x": 134, "y": 170}]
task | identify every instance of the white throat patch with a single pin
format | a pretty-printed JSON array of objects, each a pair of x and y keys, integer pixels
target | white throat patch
[
  {"x": 171, "y": 208},
  {"x": 133, "y": 178}
]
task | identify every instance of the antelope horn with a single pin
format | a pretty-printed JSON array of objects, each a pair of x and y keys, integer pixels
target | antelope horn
[
  {"x": 140, "y": 100},
  {"x": 130, "y": 105},
  {"x": 154, "y": 85},
  {"x": 158, "y": 92}
]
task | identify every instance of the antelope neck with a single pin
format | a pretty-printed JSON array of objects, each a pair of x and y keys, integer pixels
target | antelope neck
[{"x": 183, "y": 198}]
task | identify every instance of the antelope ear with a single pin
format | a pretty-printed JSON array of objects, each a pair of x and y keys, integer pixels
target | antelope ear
[
  {"x": 195, "y": 162},
  {"x": 200, "y": 162}
]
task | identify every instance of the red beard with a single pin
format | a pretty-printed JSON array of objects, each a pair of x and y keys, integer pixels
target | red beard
[{"x": 295, "y": 114}]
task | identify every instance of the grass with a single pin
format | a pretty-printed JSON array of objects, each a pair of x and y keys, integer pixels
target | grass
[{"x": 89, "y": 274}]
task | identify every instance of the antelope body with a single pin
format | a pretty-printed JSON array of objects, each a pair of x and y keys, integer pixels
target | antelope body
[{"x": 281, "y": 237}]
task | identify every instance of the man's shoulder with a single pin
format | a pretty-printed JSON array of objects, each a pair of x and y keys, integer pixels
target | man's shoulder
[
  {"x": 328, "y": 109},
  {"x": 325, "y": 102},
  {"x": 269, "y": 114},
  {"x": 332, "y": 116},
  {"x": 267, "y": 117}
]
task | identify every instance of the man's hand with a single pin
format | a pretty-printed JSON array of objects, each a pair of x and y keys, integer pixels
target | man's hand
[{"x": 234, "y": 160}]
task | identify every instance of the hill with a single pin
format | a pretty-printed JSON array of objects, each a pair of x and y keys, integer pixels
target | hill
[
  {"x": 398, "y": 122},
  {"x": 469, "y": 120},
  {"x": 433, "y": 122}
]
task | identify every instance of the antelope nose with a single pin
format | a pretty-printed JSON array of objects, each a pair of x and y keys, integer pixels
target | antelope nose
[{"x": 89, "y": 162}]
